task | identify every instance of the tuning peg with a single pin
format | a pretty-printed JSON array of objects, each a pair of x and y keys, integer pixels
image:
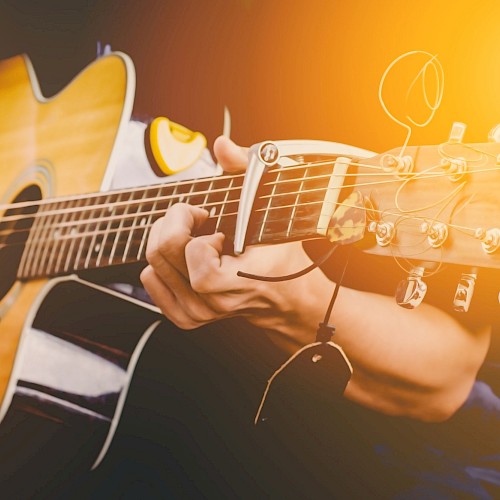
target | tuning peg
[
  {"x": 437, "y": 233},
  {"x": 494, "y": 133},
  {"x": 411, "y": 291},
  {"x": 384, "y": 232},
  {"x": 457, "y": 132},
  {"x": 489, "y": 238},
  {"x": 465, "y": 291}
]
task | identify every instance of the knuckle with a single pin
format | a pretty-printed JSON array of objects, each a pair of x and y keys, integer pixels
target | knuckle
[
  {"x": 220, "y": 303},
  {"x": 185, "y": 324},
  {"x": 145, "y": 275},
  {"x": 200, "y": 315},
  {"x": 201, "y": 283}
]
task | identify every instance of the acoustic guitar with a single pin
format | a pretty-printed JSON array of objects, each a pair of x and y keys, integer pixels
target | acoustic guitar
[{"x": 65, "y": 369}]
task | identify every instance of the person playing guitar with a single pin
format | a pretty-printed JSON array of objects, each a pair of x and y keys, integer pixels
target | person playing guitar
[{"x": 417, "y": 368}]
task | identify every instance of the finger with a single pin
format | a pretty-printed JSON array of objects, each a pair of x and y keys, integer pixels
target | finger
[
  {"x": 170, "y": 235},
  {"x": 160, "y": 293},
  {"x": 210, "y": 272},
  {"x": 180, "y": 309},
  {"x": 232, "y": 158},
  {"x": 203, "y": 260}
]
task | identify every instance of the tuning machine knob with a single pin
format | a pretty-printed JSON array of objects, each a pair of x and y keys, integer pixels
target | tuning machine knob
[
  {"x": 464, "y": 291},
  {"x": 437, "y": 233},
  {"x": 490, "y": 238},
  {"x": 384, "y": 232},
  {"x": 494, "y": 134},
  {"x": 411, "y": 291},
  {"x": 457, "y": 132},
  {"x": 455, "y": 168},
  {"x": 400, "y": 165}
]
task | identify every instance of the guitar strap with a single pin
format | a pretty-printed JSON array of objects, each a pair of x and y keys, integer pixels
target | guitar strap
[{"x": 318, "y": 369}]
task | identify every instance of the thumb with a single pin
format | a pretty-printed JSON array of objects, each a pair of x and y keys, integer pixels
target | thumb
[{"x": 232, "y": 158}]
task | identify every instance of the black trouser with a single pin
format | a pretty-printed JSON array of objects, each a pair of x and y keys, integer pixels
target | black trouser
[{"x": 188, "y": 432}]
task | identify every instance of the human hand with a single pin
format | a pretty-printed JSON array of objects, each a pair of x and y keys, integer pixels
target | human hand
[
  {"x": 193, "y": 283},
  {"x": 420, "y": 365}
]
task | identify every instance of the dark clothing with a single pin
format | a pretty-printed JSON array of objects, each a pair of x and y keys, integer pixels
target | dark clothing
[{"x": 188, "y": 432}]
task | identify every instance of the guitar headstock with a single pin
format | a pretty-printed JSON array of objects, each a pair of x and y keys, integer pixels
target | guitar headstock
[
  {"x": 424, "y": 205},
  {"x": 430, "y": 205}
]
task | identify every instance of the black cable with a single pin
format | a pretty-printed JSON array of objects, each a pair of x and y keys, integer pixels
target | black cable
[
  {"x": 288, "y": 277},
  {"x": 325, "y": 331}
]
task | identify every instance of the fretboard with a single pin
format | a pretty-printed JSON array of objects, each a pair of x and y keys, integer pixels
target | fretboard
[{"x": 106, "y": 229}]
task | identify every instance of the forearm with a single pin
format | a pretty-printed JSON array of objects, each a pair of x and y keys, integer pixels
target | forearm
[{"x": 419, "y": 363}]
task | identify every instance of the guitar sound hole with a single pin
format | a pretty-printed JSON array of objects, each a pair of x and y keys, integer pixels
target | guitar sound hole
[{"x": 14, "y": 230}]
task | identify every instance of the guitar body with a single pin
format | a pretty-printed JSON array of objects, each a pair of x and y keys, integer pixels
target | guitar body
[
  {"x": 70, "y": 381},
  {"x": 52, "y": 147}
]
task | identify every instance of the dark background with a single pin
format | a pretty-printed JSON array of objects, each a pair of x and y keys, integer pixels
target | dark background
[{"x": 285, "y": 69}]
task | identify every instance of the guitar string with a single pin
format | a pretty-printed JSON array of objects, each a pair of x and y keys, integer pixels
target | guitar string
[
  {"x": 436, "y": 66},
  {"x": 278, "y": 234},
  {"x": 432, "y": 62},
  {"x": 420, "y": 174},
  {"x": 87, "y": 208},
  {"x": 40, "y": 203},
  {"x": 108, "y": 206},
  {"x": 132, "y": 190},
  {"x": 27, "y": 204},
  {"x": 425, "y": 207},
  {"x": 139, "y": 256},
  {"x": 138, "y": 214}
]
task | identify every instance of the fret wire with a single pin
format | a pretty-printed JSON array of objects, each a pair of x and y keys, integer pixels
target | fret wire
[
  {"x": 294, "y": 208},
  {"x": 91, "y": 247},
  {"x": 144, "y": 239},
  {"x": 28, "y": 249},
  {"x": 190, "y": 193},
  {"x": 56, "y": 243},
  {"x": 73, "y": 237},
  {"x": 63, "y": 252},
  {"x": 148, "y": 224},
  {"x": 83, "y": 240},
  {"x": 269, "y": 201},
  {"x": 112, "y": 209},
  {"x": 131, "y": 231},
  {"x": 117, "y": 235},
  {"x": 208, "y": 191},
  {"x": 223, "y": 207},
  {"x": 44, "y": 247},
  {"x": 41, "y": 246}
]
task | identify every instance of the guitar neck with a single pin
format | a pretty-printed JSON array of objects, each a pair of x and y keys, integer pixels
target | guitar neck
[
  {"x": 106, "y": 229},
  {"x": 430, "y": 214}
]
